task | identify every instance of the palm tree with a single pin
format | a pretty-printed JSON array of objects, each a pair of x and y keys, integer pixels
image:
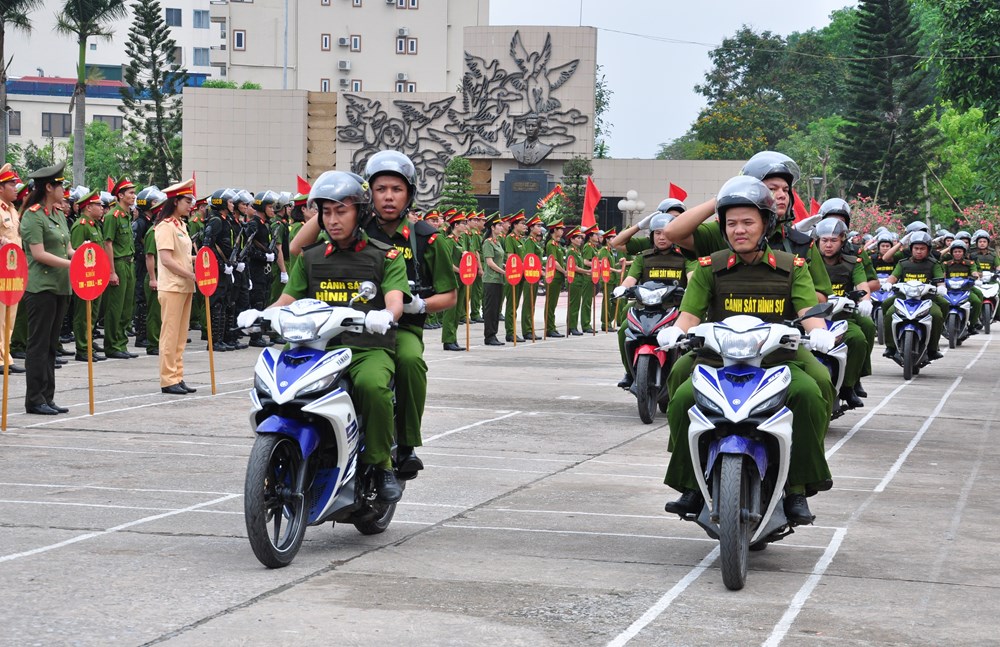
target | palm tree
[
  {"x": 84, "y": 19},
  {"x": 15, "y": 14}
]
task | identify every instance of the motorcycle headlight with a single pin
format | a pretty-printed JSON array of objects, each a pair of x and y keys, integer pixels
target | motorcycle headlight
[
  {"x": 770, "y": 404},
  {"x": 705, "y": 404},
  {"x": 302, "y": 327},
  {"x": 261, "y": 386},
  {"x": 319, "y": 385},
  {"x": 740, "y": 345},
  {"x": 650, "y": 297}
]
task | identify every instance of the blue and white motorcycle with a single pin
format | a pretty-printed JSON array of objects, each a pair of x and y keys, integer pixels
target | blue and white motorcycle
[
  {"x": 303, "y": 468},
  {"x": 988, "y": 285},
  {"x": 956, "y": 320},
  {"x": 878, "y": 297},
  {"x": 741, "y": 435},
  {"x": 911, "y": 325},
  {"x": 836, "y": 360}
]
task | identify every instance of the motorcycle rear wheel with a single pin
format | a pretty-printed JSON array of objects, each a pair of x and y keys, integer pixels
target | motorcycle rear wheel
[
  {"x": 987, "y": 316},
  {"x": 275, "y": 516},
  {"x": 379, "y": 523},
  {"x": 909, "y": 337},
  {"x": 734, "y": 522},
  {"x": 645, "y": 387}
]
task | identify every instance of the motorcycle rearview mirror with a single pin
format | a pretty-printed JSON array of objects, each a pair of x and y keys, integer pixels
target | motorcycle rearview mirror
[
  {"x": 366, "y": 292},
  {"x": 818, "y": 310},
  {"x": 857, "y": 295}
]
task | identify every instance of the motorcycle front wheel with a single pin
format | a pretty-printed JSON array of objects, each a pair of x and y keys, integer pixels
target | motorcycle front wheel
[
  {"x": 877, "y": 318},
  {"x": 275, "y": 515},
  {"x": 734, "y": 522},
  {"x": 987, "y": 317},
  {"x": 909, "y": 341},
  {"x": 953, "y": 330},
  {"x": 645, "y": 387}
]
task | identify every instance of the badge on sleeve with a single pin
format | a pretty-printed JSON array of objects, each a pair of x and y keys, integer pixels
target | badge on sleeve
[
  {"x": 799, "y": 261},
  {"x": 705, "y": 261}
]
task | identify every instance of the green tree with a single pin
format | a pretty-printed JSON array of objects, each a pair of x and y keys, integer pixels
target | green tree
[
  {"x": 575, "y": 172},
  {"x": 887, "y": 141},
  {"x": 13, "y": 13},
  {"x": 602, "y": 127},
  {"x": 815, "y": 150},
  {"x": 685, "y": 147},
  {"x": 738, "y": 129},
  {"x": 967, "y": 52},
  {"x": 457, "y": 190},
  {"x": 83, "y": 19},
  {"x": 151, "y": 100},
  {"x": 107, "y": 154},
  {"x": 954, "y": 170}
]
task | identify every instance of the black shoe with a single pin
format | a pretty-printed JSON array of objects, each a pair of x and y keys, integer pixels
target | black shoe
[
  {"x": 57, "y": 365},
  {"x": 530, "y": 337},
  {"x": 860, "y": 391},
  {"x": 575, "y": 332},
  {"x": 17, "y": 354},
  {"x": 141, "y": 343},
  {"x": 41, "y": 410},
  {"x": 889, "y": 352},
  {"x": 130, "y": 332},
  {"x": 493, "y": 341},
  {"x": 14, "y": 368},
  {"x": 554, "y": 333},
  {"x": 60, "y": 361},
  {"x": 238, "y": 345},
  {"x": 174, "y": 389},
  {"x": 222, "y": 347},
  {"x": 58, "y": 409},
  {"x": 588, "y": 331},
  {"x": 260, "y": 343},
  {"x": 933, "y": 355},
  {"x": 153, "y": 350},
  {"x": 520, "y": 340},
  {"x": 82, "y": 357},
  {"x": 428, "y": 326},
  {"x": 186, "y": 387},
  {"x": 797, "y": 509},
  {"x": 386, "y": 486},
  {"x": 62, "y": 352},
  {"x": 117, "y": 354},
  {"x": 478, "y": 320},
  {"x": 65, "y": 339},
  {"x": 838, "y": 410},
  {"x": 461, "y": 322},
  {"x": 453, "y": 346},
  {"x": 626, "y": 381},
  {"x": 848, "y": 395},
  {"x": 407, "y": 463},
  {"x": 97, "y": 348},
  {"x": 690, "y": 502}
]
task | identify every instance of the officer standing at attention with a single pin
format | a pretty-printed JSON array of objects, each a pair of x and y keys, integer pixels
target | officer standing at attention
[
  {"x": 150, "y": 282},
  {"x": 220, "y": 237},
  {"x": 513, "y": 244},
  {"x": 449, "y": 318},
  {"x": 494, "y": 257},
  {"x": 754, "y": 273},
  {"x": 119, "y": 244},
  {"x": 142, "y": 223},
  {"x": 87, "y": 229},
  {"x": 576, "y": 288},
  {"x": 554, "y": 248},
  {"x": 258, "y": 236},
  {"x": 531, "y": 244},
  {"x": 10, "y": 223}
]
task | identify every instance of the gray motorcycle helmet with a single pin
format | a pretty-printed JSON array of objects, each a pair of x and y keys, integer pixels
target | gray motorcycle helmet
[
  {"x": 671, "y": 204},
  {"x": 747, "y": 191}
]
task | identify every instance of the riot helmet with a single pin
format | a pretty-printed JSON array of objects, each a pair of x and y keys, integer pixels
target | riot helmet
[
  {"x": 963, "y": 235},
  {"x": 395, "y": 163},
  {"x": 263, "y": 199},
  {"x": 919, "y": 238},
  {"x": 142, "y": 200},
  {"x": 220, "y": 198},
  {"x": 671, "y": 204},
  {"x": 836, "y": 207},
  {"x": 747, "y": 191}
]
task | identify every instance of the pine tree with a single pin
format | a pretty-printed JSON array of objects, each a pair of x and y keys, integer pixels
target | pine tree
[
  {"x": 457, "y": 192},
  {"x": 151, "y": 101},
  {"x": 887, "y": 141}
]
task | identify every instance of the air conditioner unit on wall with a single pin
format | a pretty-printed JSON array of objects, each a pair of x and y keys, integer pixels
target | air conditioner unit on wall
[
  {"x": 402, "y": 31},
  {"x": 402, "y": 76},
  {"x": 343, "y": 65},
  {"x": 392, "y": 2},
  {"x": 343, "y": 41},
  {"x": 345, "y": 82}
]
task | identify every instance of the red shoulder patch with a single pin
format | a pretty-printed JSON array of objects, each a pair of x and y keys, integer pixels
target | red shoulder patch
[
  {"x": 799, "y": 261},
  {"x": 392, "y": 254},
  {"x": 705, "y": 261},
  {"x": 431, "y": 240},
  {"x": 35, "y": 207}
]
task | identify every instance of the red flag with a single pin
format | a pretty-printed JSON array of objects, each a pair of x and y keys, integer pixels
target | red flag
[
  {"x": 677, "y": 193},
  {"x": 813, "y": 207},
  {"x": 799, "y": 207},
  {"x": 194, "y": 185},
  {"x": 111, "y": 183},
  {"x": 303, "y": 187},
  {"x": 590, "y": 200}
]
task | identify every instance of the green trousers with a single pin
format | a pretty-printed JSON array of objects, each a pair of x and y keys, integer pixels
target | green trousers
[
  {"x": 511, "y": 298},
  {"x": 938, "y": 306},
  {"x": 411, "y": 385},
  {"x": 626, "y": 361},
  {"x": 153, "y": 319},
  {"x": 576, "y": 303},
  {"x": 805, "y": 399},
  {"x": 857, "y": 351},
  {"x": 867, "y": 326},
  {"x": 80, "y": 321},
  {"x": 586, "y": 304},
  {"x": 371, "y": 372},
  {"x": 529, "y": 302},
  {"x": 477, "y": 298},
  {"x": 553, "y": 291},
  {"x": 450, "y": 317},
  {"x": 976, "y": 303},
  {"x": 119, "y": 303}
]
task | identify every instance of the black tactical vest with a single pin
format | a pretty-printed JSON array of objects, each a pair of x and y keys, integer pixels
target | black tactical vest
[
  {"x": 412, "y": 250},
  {"x": 794, "y": 242},
  {"x": 959, "y": 269},
  {"x": 335, "y": 279},
  {"x": 665, "y": 266},
  {"x": 841, "y": 274},
  {"x": 758, "y": 290},
  {"x": 917, "y": 271},
  {"x": 987, "y": 262},
  {"x": 881, "y": 266}
]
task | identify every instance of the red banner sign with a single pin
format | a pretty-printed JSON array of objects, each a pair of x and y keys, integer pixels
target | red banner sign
[
  {"x": 550, "y": 269},
  {"x": 206, "y": 271},
  {"x": 13, "y": 274},
  {"x": 595, "y": 270},
  {"x": 89, "y": 271},
  {"x": 468, "y": 268},
  {"x": 514, "y": 269},
  {"x": 570, "y": 268},
  {"x": 606, "y": 270},
  {"x": 532, "y": 268}
]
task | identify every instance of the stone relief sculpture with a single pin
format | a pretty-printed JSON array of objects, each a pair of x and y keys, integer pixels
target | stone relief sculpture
[{"x": 496, "y": 110}]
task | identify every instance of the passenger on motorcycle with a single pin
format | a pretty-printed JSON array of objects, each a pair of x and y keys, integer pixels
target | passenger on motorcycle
[
  {"x": 959, "y": 266},
  {"x": 331, "y": 272},
  {"x": 982, "y": 252},
  {"x": 664, "y": 263},
  {"x": 918, "y": 267},
  {"x": 628, "y": 242},
  {"x": 900, "y": 249},
  {"x": 750, "y": 278}
]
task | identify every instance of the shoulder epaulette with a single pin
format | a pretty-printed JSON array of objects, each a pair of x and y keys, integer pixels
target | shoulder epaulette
[
  {"x": 378, "y": 244},
  {"x": 799, "y": 261},
  {"x": 705, "y": 261},
  {"x": 34, "y": 207},
  {"x": 432, "y": 239},
  {"x": 392, "y": 254}
]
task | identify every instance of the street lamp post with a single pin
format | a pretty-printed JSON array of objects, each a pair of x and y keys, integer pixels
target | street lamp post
[{"x": 630, "y": 206}]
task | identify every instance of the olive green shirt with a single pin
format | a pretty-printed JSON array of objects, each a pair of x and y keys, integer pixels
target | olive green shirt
[
  {"x": 393, "y": 278},
  {"x": 937, "y": 272},
  {"x": 49, "y": 229},
  {"x": 85, "y": 230},
  {"x": 495, "y": 250},
  {"x": 118, "y": 229}
]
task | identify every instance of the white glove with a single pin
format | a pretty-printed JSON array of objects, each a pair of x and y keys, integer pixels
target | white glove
[
  {"x": 619, "y": 291},
  {"x": 668, "y": 336},
  {"x": 378, "y": 321},
  {"x": 247, "y": 318},
  {"x": 240, "y": 267},
  {"x": 284, "y": 277},
  {"x": 905, "y": 240},
  {"x": 821, "y": 340},
  {"x": 415, "y": 307},
  {"x": 644, "y": 223},
  {"x": 806, "y": 225},
  {"x": 865, "y": 308},
  {"x": 269, "y": 257},
  {"x": 227, "y": 270},
  {"x": 885, "y": 286}
]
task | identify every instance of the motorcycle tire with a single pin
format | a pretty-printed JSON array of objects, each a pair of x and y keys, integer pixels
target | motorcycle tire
[
  {"x": 909, "y": 341},
  {"x": 953, "y": 329},
  {"x": 275, "y": 517},
  {"x": 987, "y": 316},
  {"x": 379, "y": 523},
  {"x": 645, "y": 387},
  {"x": 734, "y": 523},
  {"x": 877, "y": 318}
]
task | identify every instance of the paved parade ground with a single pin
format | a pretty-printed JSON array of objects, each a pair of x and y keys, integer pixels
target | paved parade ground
[{"x": 538, "y": 521}]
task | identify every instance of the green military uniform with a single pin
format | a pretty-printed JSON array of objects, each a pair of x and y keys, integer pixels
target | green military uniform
[
  {"x": 118, "y": 299},
  {"x": 606, "y": 315},
  {"x": 475, "y": 244},
  {"x": 84, "y": 230},
  {"x": 589, "y": 253},
  {"x": 867, "y": 324},
  {"x": 554, "y": 289},
  {"x": 450, "y": 317},
  {"x": 773, "y": 289},
  {"x": 529, "y": 291},
  {"x": 845, "y": 273},
  {"x": 332, "y": 275},
  {"x": 576, "y": 288},
  {"x": 909, "y": 270},
  {"x": 653, "y": 265},
  {"x": 513, "y": 245},
  {"x": 964, "y": 269},
  {"x": 153, "y": 318}
]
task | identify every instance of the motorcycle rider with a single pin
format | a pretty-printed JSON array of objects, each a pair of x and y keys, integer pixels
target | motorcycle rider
[
  {"x": 981, "y": 251},
  {"x": 959, "y": 266},
  {"x": 919, "y": 266},
  {"x": 750, "y": 278},
  {"x": 349, "y": 258},
  {"x": 664, "y": 263},
  {"x": 627, "y": 241},
  {"x": 220, "y": 236}
]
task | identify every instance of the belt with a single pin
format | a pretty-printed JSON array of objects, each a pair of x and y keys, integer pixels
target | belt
[{"x": 128, "y": 256}]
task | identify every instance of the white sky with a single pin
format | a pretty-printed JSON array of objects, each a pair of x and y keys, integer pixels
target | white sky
[{"x": 653, "y": 98}]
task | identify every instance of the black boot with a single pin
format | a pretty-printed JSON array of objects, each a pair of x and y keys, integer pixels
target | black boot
[
  {"x": 386, "y": 486},
  {"x": 797, "y": 509},
  {"x": 848, "y": 395},
  {"x": 860, "y": 391},
  {"x": 626, "y": 381},
  {"x": 690, "y": 502},
  {"x": 407, "y": 463},
  {"x": 934, "y": 354}
]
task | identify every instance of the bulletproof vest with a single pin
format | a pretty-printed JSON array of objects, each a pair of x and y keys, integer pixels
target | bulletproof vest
[
  {"x": 139, "y": 228},
  {"x": 219, "y": 233},
  {"x": 758, "y": 290},
  {"x": 793, "y": 242},
  {"x": 334, "y": 277},
  {"x": 917, "y": 271},
  {"x": 412, "y": 249},
  {"x": 882, "y": 267},
  {"x": 663, "y": 266},
  {"x": 841, "y": 274},
  {"x": 986, "y": 262},
  {"x": 959, "y": 269}
]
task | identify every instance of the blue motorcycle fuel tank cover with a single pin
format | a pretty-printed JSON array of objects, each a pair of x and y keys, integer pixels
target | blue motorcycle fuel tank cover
[
  {"x": 306, "y": 435},
  {"x": 296, "y": 363},
  {"x": 738, "y": 383}
]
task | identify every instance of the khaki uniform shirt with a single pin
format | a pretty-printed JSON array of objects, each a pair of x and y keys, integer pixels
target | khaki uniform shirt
[
  {"x": 10, "y": 223},
  {"x": 172, "y": 238}
]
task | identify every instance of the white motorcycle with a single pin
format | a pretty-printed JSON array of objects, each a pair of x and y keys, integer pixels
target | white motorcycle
[
  {"x": 836, "y": 359},
  {"x": 988, "y": 285}
]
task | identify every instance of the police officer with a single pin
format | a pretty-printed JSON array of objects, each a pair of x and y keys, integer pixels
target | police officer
[
  {"x": 475, "y": 234},
  {"x": 150, "y": 283},
  {"x": 119, "y": 244},
  {"x": 531, "y": 244},
  {"x": 513, "y": 245},
  {"x": 10, "y": 223},
  {"x": 919, "y": 266},
  {"x": 142, "y": 223},
  {"x": 263, "y": 251},
  {"x": 959, "y": 266},
  {"x": 240, "y": 298},
  {"x": 221, "y": 237},
  {"x": 449, "y": 318},
  {"x": 628, "y": 242},
  {"x": 576, "y": 288},
  {"x": 352, "y": 256},
  {"x": 754, "y": 273},
  {"x": 87, "y": 229},
  {"x": 493, "y": 256},
  {"x": 981, "y": 251},
  {"x": 554, "y": 248}
]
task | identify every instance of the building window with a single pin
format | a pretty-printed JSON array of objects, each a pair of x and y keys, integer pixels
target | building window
[
  {"x": 356, "y": 3},
  {"x": 324, "y": 40},
  {"x": 239, "y": 39},
  {"x": 201, "y": 19},
  {"x": 173, "y": 17},
  {"x": 324, "y": 85},
  {"x": 411, "y": 87},
  {"x": 56, "y": 124},
  {"x": 400, "y": 86},
  {"x": 111, "y": 120},
  {"x": 401, "y": 4},
  {"x": 177, "y": 56},
  {"x": 400, "y": 45},
  {"x": 14, "y": 122},
  {"x": 201, "y": 56},
  {"x": 93, "y": 47},
  {"x": 355, "y": 43},
  {"x": 355, "y": 85},
  {"x": 411, "y": 45},
  {"x": 414, "y": 4}
]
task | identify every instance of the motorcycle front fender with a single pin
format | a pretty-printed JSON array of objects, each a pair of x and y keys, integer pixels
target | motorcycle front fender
[
  {"x": 649, "y": 349},
  {"x": 304, "y": 434}
]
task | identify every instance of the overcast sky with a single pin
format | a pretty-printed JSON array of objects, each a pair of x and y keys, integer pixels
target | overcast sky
[{"x": 652, "y": 81}]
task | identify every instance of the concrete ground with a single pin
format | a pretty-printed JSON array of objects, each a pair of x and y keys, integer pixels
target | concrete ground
[{"x": 538, "y": 521}]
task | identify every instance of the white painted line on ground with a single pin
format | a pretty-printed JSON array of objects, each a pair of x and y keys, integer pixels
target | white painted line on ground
[
  {"x": 868, "y": 416},
  {"x": 978, "y": 355},
  {"x": 125, "y": 451},
  {"x": 589, "y": 533},
  {"x": 86, "y": 505},
  {"x": 661, "y": 605},
  {"x": 916, "y": 439},
  {"x": 469, "y": 426},
  {"x": 501, "y": 458},
  {"x": 487, "y": 469},
  {"x": 59, "y": 486},
  {"x": 124, "y": 526},
  {"x": 792, "y": 612}
]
